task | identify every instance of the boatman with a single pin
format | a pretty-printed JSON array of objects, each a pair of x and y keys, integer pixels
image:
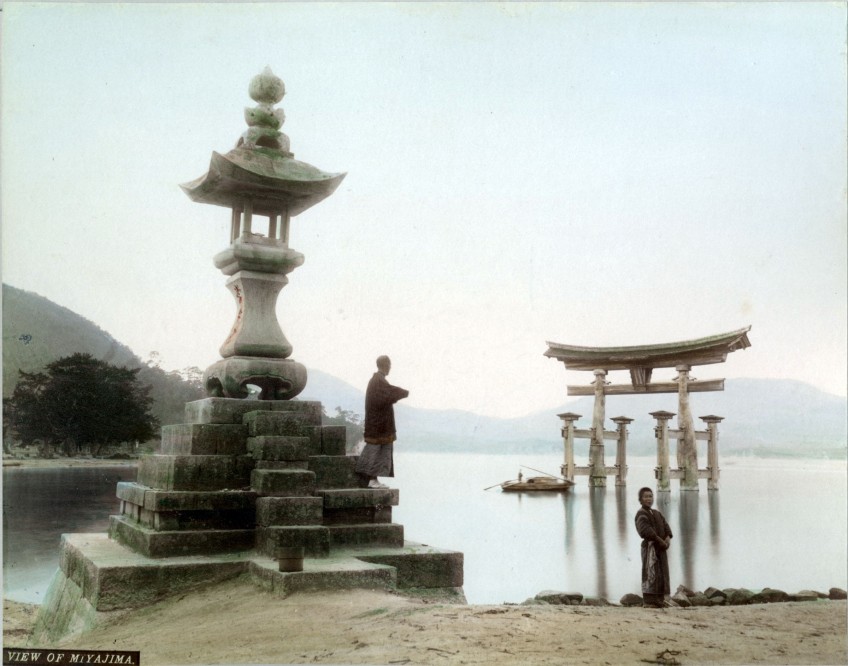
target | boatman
[{"x": 377, "y": 458}]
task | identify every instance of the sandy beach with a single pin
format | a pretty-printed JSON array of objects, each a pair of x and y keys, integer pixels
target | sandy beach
[{"x": 237, "y": 623}]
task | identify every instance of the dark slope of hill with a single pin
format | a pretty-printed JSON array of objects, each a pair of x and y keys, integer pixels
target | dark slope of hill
[{"x": 37, "y": 331}]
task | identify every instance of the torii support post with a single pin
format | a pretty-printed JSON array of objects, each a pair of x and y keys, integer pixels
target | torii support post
[
  {"x": 598, "y": 472},
  {"x": 687, "y": 451},
  {"x": 621, "y": 450},
  {"x": 662, "y": 471},
  {"x": 567, "y": 469},
  {"x": 712, "y": 422}
]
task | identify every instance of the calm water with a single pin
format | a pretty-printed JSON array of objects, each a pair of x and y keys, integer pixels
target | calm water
[{"x": 774, "y": 523}]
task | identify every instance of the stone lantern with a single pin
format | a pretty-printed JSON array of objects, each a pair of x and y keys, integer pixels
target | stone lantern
[{"x": 259, "y": 177}]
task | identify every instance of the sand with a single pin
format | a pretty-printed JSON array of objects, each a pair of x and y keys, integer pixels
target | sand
[{"x": 237, "y": 623}]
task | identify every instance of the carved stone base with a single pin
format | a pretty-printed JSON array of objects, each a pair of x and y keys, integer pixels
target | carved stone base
[{"x": 279, "y": 379}]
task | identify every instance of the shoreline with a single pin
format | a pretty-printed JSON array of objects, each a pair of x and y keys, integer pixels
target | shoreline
[
  {"x": 61, "y": 463},
  {"x": 236, "y": 622}
]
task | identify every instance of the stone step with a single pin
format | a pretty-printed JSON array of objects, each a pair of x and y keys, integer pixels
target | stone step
[
  {"x": 417, "y": 565},
  {"x": 181, "y": 472},
  {"x": 390, "y": 534},
  {"x": 153, "y": 543},
  {"x": 334, "y": 471},
  {"x": 355, "y": 498},
  {"x": 331, "y": 574},
  {"x": 279, "y": 448},
  {"x": 181, "y": 500},
  {"x": 230, "y": 410},
  {"x": 282, "y": 464},
  {"x": 283, "y": 482},
  {"x": 360, "y": 516},
  {"x": 315, "y": 539},
  {"x": 222, "y": 439},
  {"x": 279, "y": 511},
  {"x": 270, "y": 423}
]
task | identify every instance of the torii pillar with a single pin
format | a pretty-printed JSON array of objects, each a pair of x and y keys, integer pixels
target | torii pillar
[{"x": 687, "y": 451}]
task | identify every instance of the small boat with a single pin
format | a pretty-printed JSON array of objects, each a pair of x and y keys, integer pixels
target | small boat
[{"x": 537, "y": 483}]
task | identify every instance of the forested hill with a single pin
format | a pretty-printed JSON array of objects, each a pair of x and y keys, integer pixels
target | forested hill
[{"x": 37, "y": 331}]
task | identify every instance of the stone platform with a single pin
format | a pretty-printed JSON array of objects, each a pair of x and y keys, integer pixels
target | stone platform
[
  {"x": 98, "y": 576},
  {"x": 222, "y": 494}
]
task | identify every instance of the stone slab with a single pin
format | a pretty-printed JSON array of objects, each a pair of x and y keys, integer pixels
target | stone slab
[
  {"x": 315, "y": 539},
  {"x": 288, "y": 511},
  {"x": 222, "y": 410},
  {"x": 185, "y": 500},
  {"x": 418, "y": 565},
  {"x": 334, "y": 471},
  {"x": 111, "y": 577},
  {"x": 172, "y": 472},
  {"x": 283, "y": 482},
  {"x": 335, "y": 574},
  {"x": 174, "y": 543},
  {"x": 223, "y": 439},
  {"x": 279, "y": 448},
  {"x": 389, "y": 534},
  {"x": 354, "y": 498}
]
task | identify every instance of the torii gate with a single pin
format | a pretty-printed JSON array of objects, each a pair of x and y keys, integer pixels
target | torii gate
[{"x": 640, "y": 361}]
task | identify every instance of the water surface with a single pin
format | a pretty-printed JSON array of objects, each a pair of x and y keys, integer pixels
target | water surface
[{"x": 773, "y": 523}]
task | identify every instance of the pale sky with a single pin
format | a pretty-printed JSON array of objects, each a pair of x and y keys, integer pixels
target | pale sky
[{"x": 595, "y": 174}]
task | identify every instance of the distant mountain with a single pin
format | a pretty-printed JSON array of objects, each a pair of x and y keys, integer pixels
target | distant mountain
[{"x": 762, "y": 416}]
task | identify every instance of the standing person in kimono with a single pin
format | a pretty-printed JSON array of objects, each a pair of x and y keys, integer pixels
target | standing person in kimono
[
  {"x": 656, "y": 538},
  {"x": 376, "y": 458}
]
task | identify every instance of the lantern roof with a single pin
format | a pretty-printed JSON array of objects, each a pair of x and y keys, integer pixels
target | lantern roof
[{"x": 261, "y": 169}]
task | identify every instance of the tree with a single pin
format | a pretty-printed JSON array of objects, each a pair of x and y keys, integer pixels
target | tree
[
  {"x": 80, "y": 401},
  {"x": 351, "y": 420}
]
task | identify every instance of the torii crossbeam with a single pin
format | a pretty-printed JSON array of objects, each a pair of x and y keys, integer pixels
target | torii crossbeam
[{"x": 641, "y": 360}]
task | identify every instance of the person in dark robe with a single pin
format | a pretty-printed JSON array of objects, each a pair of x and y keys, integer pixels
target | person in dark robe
[
  {"x": 656, "y": 539},
  {"x": 377, "y": 458}
]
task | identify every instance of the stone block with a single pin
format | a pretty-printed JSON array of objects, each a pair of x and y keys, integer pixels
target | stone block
[
  {"x": 310, "y": 409},
  {"x": 283, "y": 482},
  {"x": 313, "y": 433},
  {"x": 131, "y": 492},
  {"x": 837, "y": 593},
  {"x": 323, "y": 575},
  {"x": 222, "y": 410},
  {"x": 156, "y": 544},
  {"x": 288, "y": 511},
  {"x": 390, "y": 534},
  {"x": 281, "y": 448},
  {"x": 282, "y": 464},
  {"x": 364, "y": 515},
  {"x": 355, "y": 498},
  {"x": 181, "y": 500},
  {"x": 195, "y": 472},
  {"x": 333, "y": 440},
  {"x": 269, "y": 423},
  {"x": 165, "y": 521},
  {"x": 421, "y": 566},
  {"x": 334, "y": 471},
  {"x": 314, "y": 539},
  {"x": 222, "y": 439},
  {"x": 630, "y": 600}
]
